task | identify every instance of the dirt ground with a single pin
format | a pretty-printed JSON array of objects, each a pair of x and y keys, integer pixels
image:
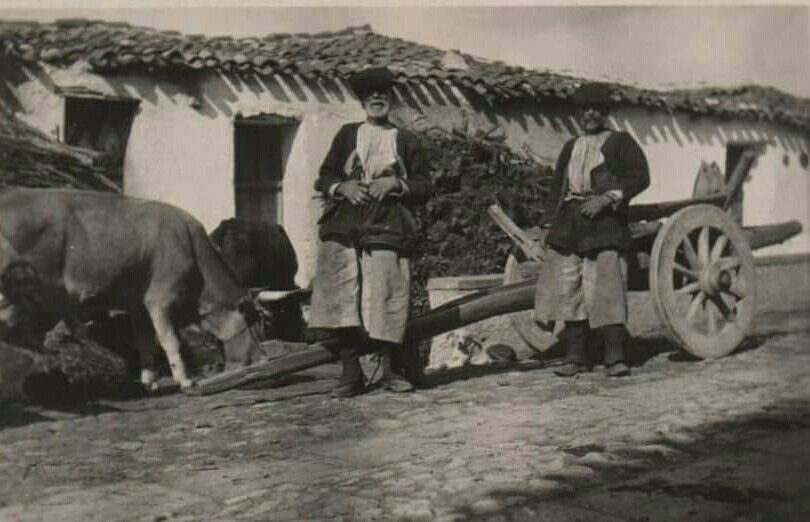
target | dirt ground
[{"x": 680, "y": 439}]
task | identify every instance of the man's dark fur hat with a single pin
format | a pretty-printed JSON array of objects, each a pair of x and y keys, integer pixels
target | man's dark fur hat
[
  {"x": 595, "y": 94},
  {"x": 367, "y": 81}
]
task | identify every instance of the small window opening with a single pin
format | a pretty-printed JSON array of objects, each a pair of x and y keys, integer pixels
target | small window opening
[{"x": 103, "y": 125}]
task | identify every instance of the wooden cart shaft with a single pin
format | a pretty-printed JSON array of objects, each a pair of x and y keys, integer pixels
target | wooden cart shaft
[{"x": 452, "y": 315}]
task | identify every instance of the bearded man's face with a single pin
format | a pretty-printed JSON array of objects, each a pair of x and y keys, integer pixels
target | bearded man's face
[
  {"x": 377, "y": 104},
  {"x": 593, "y": 119}
]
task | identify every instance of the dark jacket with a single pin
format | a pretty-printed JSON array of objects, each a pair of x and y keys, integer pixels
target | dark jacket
[
  {"x": 625, "y": 168},
  {"x": 381, "y": 224}
]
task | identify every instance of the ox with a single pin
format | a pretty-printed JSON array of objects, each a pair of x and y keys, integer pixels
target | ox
[{"x": 112, "y": 252}]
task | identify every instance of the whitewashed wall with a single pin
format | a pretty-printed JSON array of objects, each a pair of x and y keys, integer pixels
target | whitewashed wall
[{"x": 181, "y": 149}]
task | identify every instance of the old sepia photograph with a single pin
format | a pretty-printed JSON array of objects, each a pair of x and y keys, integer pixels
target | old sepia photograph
[{"x": 432, "y": 261}]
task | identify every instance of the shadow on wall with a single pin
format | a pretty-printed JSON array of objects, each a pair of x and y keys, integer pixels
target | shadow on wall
[
  {"x": 649, "y": 126},
  {"x": 217, "y": 95}
]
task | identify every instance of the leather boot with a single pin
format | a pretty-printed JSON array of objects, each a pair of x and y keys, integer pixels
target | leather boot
[
  {"x": 576, "y": 358},
  {"x": 571, "y": 369},
  {"x": 391, "y": 380},
  {"x": 352, "y": 381}
]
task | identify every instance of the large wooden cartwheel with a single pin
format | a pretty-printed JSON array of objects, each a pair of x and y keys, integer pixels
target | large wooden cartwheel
[
  {"x": 703, "y": 281},
  {"x": 519, "y": 268}
]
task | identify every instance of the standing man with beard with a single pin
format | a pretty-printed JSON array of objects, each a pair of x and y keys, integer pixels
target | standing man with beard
[
  {"x": 581, "y": 280},
  {"x": 371, "y": 179}
]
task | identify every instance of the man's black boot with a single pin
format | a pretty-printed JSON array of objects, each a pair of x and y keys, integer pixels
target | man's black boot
[
  {"x": 576, "y": 358},
  {"x": 392, "y": 380},
  {"x": 352, "y": 381}
]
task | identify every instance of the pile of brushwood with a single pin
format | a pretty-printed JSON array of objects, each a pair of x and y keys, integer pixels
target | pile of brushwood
[
  {"x": 61, "y": 369},
  {"x": 469, "y": 175},
  {"x": 30, "y": 158}
]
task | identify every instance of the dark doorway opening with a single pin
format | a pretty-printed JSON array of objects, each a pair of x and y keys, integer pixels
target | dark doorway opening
[{"x": 262, "y": 145}]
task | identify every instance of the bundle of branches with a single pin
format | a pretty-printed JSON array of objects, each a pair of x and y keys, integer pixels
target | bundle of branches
[
  {"x": 30, "y": 158},
  {"x": 64, "y": 369},
  {"x": 469, "y": 175}
]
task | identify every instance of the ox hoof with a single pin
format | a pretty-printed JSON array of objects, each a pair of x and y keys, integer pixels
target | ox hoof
[{"x": 185, "y": 384}]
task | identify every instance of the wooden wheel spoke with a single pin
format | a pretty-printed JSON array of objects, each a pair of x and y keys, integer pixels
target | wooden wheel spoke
[
  {"x": 703, "y": 247},
  {"x": 712, "y": 319},
  {"x": 691, "y": 255},
  {"x": 691, "y": 288},
  {"x": 736, "y": 293},
  {"x": 719, "y": 246},
  {"x": 694, "y": 306},
  {"x": 685, "y": 271},
  {"x": 729, "y": 263},
  {"x": 723, "y": 307}
]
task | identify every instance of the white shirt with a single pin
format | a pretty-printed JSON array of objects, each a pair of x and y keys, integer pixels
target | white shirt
[
  {"x": 376, "y": 149},
  {"x": 585, "y": 156}
]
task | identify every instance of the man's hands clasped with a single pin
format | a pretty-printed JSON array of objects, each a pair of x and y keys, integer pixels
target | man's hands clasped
[
  {"x": 355, "y": 191},
  {"x": 360, "y": 193},
  {"x": 381, "y": 187}
]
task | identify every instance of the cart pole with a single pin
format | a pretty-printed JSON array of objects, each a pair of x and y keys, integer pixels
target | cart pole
[{"x": 452, "y": 315}]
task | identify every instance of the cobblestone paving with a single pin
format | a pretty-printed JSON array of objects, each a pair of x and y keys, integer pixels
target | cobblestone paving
[{"x": 680, "y": 439}]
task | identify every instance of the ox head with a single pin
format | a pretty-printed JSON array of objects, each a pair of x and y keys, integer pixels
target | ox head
[{"x": 242, "y": 331}]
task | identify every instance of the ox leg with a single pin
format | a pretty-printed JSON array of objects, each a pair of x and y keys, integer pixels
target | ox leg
[
  {"x": 170, "y": 343},
  {"x": 146, "y": 344}
]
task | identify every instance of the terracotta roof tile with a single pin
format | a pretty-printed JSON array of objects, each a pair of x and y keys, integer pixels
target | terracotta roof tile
[{"x": 335, "y": 54}]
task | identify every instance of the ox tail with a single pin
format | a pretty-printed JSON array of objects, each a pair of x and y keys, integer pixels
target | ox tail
[{"x": 221, "y": 285}]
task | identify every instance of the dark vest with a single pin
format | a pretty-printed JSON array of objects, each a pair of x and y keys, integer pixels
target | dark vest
[
  {"x": 625, "y": 168},
  {"x": 386, "y": 224}
]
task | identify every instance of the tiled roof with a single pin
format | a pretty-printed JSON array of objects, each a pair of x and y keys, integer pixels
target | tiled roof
[
  {"x": 119, "y": 46},
  {"x": 30, "y": 158}
]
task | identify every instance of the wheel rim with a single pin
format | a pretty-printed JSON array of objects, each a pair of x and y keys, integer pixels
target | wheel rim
[{"x": 703, "y": 281}]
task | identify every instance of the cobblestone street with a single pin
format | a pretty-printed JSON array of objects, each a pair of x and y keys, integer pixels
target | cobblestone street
[{"x": 680, "y": 439}]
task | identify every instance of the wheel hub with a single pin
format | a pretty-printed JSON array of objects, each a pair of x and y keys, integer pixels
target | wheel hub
[
  {"x": 724, "y": 280},
  {"x": 714, "y": 279}
]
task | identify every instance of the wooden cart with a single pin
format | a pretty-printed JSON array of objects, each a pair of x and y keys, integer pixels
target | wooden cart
[{"x": 691, "y": 255}]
